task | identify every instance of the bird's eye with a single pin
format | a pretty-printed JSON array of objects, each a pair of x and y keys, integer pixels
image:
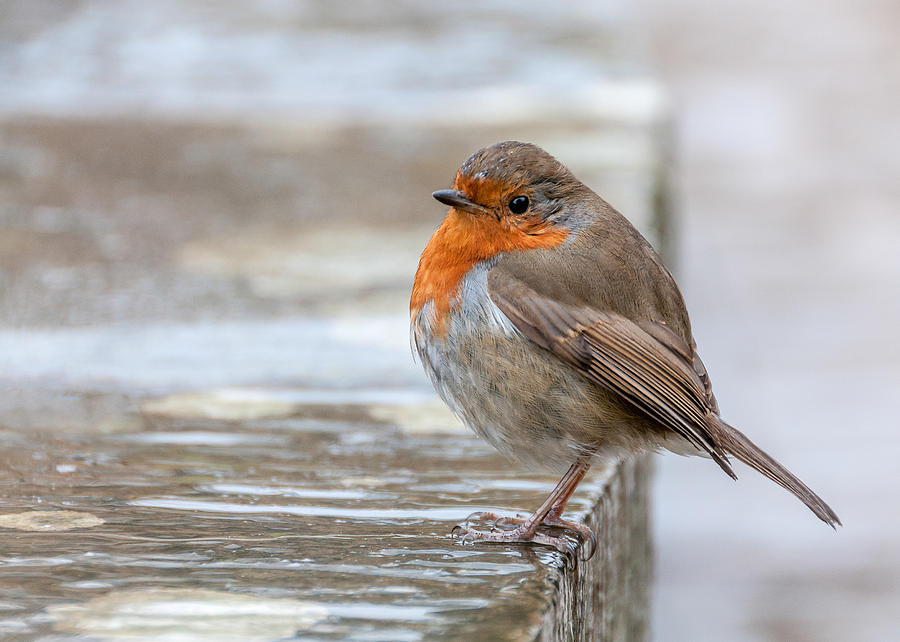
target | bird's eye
[{"x": 519, "y": 204}]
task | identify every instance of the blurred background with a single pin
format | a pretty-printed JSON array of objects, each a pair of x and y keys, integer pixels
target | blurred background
[{"x": 196, "y": 194}]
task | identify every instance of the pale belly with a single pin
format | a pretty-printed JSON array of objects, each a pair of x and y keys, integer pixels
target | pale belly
[{"x": 517, "y": 396}]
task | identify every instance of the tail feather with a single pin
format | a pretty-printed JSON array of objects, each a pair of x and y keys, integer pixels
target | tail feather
[{"x": 736, "y": 443}]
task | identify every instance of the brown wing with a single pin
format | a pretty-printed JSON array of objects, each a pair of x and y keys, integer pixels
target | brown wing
[
  {"x": 652, "y": 370},
  {"x": 687, "y": 352}
]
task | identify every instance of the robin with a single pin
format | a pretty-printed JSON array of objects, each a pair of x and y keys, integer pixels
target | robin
[{"x": 551, "y": 327}]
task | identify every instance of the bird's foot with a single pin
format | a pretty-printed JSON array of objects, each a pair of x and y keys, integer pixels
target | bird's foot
[{"x": 523, "y": 532}]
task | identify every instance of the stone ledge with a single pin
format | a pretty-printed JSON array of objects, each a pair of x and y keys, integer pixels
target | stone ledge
[{"x": 330, "y": 517}]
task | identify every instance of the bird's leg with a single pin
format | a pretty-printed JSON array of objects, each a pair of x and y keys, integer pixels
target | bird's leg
[{"x": 548, "y": 514}]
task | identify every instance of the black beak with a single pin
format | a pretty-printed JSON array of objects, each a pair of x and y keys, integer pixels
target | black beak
[{"x": 455, "y": 198}]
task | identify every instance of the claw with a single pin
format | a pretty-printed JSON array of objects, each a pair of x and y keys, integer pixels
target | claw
[{"x": 592, "y": 539}]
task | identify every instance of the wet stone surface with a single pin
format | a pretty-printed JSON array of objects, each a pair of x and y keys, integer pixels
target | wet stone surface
[{"x": 333, "y": 519}]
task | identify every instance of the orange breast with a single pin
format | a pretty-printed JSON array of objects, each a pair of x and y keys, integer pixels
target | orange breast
[{"x": 460, "y": 242}]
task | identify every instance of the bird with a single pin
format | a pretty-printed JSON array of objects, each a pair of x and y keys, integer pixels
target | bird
[{"x": 552, "y": 328}]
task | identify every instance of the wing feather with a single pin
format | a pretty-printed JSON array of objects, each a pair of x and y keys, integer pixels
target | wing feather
[{"x": 620, "y": 355}]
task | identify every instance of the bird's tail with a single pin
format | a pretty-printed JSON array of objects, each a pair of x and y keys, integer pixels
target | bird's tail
[{"x": 734, "y": 442}]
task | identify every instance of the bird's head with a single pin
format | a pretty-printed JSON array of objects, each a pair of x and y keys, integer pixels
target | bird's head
[
  {"x": 507, "y": 197},
  {"x": 517, "y": 184}
]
